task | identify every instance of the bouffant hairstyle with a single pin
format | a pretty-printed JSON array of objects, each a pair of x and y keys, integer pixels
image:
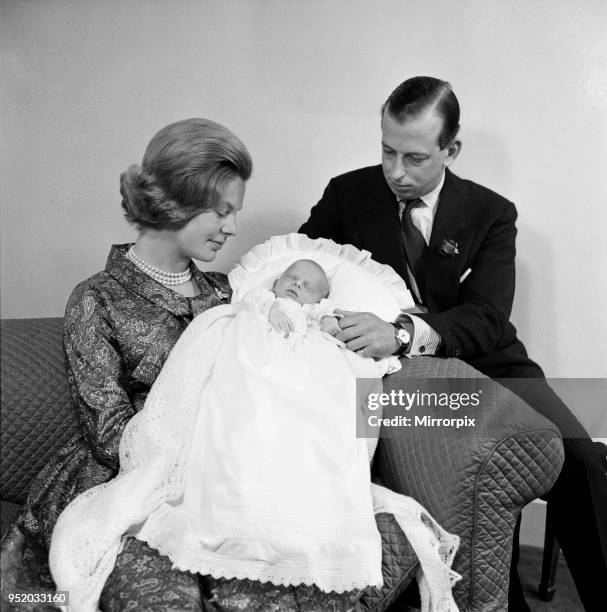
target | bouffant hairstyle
[
  {"x": 420, "y": 93},
  {"x": 182, "y": 174}
]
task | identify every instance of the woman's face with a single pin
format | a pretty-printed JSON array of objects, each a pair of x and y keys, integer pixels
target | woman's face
[{"x": 206, "y": 233}]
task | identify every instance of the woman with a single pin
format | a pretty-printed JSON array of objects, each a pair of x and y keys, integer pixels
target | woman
[{"x": 120, "y": 326}]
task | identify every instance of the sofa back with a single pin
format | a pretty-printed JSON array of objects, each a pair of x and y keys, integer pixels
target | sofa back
[{"x": 37, "y": 413}]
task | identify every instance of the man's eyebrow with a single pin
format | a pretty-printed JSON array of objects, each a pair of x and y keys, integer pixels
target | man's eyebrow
[{"x": 409, "y": 154}]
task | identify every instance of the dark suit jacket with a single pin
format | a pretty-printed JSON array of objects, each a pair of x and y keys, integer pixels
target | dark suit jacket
[{"x": 472, "y": 317}]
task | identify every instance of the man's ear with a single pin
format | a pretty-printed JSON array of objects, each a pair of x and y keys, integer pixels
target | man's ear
[{"x": 452, "y": 152}]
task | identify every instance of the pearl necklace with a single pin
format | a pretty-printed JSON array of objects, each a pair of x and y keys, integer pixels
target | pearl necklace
[{"x": 168, "y": 279}]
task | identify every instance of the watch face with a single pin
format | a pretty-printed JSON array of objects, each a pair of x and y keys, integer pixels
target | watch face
[{"x": 403, "y": 336}]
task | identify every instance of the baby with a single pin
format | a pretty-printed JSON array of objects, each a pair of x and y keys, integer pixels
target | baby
[{"x": 305, "y": 283}]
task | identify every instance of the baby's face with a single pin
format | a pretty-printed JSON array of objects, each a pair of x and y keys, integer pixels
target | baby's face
[{"x": 303, "y": 281}]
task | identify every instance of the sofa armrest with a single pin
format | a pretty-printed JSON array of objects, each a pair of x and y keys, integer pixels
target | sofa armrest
[
  {"x": 473, "y": 480},
  {"x": 37, "y": 413}
]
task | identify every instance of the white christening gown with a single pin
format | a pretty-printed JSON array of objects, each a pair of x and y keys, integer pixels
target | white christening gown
[{"x": 245, "y": 463}]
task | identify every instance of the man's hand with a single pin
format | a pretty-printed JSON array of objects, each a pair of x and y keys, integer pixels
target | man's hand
[
  {"x": 367, "y": 333},
  {"x": 280, "y": 321}
]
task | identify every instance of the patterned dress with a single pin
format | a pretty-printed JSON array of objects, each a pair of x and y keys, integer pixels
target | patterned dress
[{"x": 120, "y": 326}]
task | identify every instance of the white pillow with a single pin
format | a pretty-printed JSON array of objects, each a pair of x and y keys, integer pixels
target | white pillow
[{"x": 356, "y": 281}]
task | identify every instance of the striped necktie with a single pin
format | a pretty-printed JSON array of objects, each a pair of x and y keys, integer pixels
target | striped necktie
[{"x": 413, "y": 240}]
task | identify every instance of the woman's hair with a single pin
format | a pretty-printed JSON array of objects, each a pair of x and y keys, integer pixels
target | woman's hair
[{"x": 183, "y": 172}]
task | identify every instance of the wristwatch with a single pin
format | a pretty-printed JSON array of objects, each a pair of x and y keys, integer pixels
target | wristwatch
[{"x": 403, "y": 337}]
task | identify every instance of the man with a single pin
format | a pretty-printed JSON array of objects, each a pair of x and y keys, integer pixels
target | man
[{"x": 453, "y": 242}]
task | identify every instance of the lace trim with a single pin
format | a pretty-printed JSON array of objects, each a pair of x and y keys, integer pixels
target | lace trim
[
  {"x": 435, "y": 548},
  {"x": 314, "y": 575}
]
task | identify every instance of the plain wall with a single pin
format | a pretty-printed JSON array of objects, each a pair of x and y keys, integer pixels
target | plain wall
[{"x": 85, "y": 84}]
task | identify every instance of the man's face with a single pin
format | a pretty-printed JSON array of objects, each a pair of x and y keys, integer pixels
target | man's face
[{"x": 412, "y": 161}]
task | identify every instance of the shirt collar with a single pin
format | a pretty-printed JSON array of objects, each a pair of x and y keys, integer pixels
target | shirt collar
[{"x": 430, "y": 199}]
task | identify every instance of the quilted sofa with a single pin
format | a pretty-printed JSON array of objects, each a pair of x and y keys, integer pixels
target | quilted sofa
[{"x": 474, "y": 481}]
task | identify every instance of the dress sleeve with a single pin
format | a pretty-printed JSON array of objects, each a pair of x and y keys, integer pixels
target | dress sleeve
[{"x": 96, "y": 374}]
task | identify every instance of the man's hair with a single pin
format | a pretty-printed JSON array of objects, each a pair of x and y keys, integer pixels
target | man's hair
[{"x": 422, "y": 93}]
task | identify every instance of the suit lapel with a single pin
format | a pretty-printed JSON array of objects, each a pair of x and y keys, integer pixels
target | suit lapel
[
  {"x": 450, "y": 223},
  {"x": 379, "y": 228}
]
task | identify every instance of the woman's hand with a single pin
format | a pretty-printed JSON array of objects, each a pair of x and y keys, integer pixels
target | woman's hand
[{"x": 280, "y": 321}]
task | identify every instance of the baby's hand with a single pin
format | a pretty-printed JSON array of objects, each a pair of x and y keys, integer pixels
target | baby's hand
[
  {"x": 330, "y": 325},
  {"x": 280, "y": 321}
]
